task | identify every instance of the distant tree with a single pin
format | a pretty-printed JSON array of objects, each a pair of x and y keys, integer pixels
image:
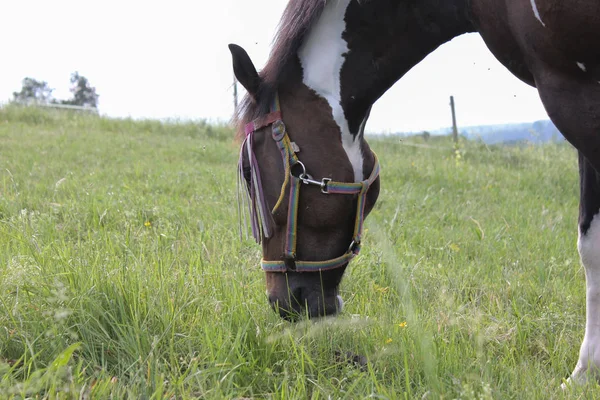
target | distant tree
[
  {"x": 426, "y": 136},
  {"x": 33, "y": 91},
  {"x": 84, "y": 94}
]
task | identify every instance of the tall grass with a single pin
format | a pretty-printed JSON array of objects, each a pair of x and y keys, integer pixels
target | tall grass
[{"x": 122, "y": 274}]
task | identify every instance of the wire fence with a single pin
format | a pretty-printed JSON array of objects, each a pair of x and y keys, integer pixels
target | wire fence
[
  {"x": 92, "y": 110},
  {"x": 70, "y": 107}
]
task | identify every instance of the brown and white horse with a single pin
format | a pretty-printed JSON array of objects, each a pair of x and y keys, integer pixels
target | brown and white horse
[{"x": 305, "y": 114}]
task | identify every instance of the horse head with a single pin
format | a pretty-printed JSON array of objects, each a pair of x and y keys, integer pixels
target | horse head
[
  {"x": 307, "y": 202},
  {"x": 304, "y": 117}
]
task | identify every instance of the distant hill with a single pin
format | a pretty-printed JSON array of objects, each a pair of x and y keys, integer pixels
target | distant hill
[{"x": 536, "y": 132}]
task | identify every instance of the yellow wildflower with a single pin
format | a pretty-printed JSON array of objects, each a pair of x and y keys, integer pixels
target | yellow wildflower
[
  {"x": 388, "y": 341},
  {"x": 381, "y": 289},
  {"x": 402, "y": 324},
  {"x": 147, "y": 224}
]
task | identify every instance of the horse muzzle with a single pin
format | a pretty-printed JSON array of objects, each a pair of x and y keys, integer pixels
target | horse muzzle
[{"x": 296, "y": 303}]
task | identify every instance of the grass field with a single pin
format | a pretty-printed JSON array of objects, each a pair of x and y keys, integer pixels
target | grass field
[{"x": 122, "y": 274}]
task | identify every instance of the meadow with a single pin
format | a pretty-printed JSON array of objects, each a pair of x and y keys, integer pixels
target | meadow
[{"x": 123, "y": 275}]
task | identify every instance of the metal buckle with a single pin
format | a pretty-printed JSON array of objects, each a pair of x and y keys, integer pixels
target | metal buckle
[
  {"x": 353, "y": 246},
  {"x": 295, "y": 147},
  {"x": 307, "y": 179},
  {"x": 278, "y": 130},
  {"x": 324, "y": 187}
]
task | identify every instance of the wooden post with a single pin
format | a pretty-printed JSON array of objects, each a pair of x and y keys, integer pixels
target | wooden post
[
  {"x": 454, "y": 128},
  {"x": 235, "y": 94}
]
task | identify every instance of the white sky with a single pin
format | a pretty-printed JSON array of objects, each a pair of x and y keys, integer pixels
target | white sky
[{"x": 150, "y": 59}]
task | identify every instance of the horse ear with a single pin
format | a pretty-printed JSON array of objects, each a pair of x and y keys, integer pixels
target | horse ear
[{"x": 244, "y": 69}]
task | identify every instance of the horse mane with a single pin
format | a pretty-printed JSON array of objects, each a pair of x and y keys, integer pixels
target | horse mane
[{"x": 296, "y": 21}]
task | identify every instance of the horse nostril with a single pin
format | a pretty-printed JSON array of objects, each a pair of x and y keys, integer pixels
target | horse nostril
[{"x": 272, "y": 299}]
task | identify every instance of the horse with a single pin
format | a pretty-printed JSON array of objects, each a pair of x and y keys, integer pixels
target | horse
[{"x": 308, "y": 172}]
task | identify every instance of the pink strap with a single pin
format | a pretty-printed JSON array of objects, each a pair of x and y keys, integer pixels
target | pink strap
[{"x": 261, "y": 122}]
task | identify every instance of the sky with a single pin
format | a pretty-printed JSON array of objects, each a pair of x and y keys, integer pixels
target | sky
[{"x": 150, "y": 59}]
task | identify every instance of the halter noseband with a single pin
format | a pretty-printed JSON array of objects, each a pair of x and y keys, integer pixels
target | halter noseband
[{"x": 259, "y": 217}]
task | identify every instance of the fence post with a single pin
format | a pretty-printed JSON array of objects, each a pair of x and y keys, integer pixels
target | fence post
[
  {"x": 454, "y": 128},
  {"x": 235, "y": 94}
]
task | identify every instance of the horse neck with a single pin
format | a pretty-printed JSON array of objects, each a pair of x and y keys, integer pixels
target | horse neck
[{"x": 357, "y": 50}]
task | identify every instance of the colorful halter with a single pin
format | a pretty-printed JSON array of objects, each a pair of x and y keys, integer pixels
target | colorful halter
[{"x": 261, "y": 219}]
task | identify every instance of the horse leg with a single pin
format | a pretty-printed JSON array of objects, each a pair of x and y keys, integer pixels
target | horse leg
[
  {"x": 588, "y": 245},
  {"x": 573, "y": 104}
]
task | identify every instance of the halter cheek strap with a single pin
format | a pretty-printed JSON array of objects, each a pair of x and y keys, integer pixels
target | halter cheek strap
[{"x": 289, "y": 261}]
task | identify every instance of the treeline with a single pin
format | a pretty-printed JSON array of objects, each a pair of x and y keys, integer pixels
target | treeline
[{"x": 34, "y": 91}]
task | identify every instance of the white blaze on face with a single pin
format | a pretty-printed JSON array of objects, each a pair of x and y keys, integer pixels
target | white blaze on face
[{"x": 322, "y": 58}]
